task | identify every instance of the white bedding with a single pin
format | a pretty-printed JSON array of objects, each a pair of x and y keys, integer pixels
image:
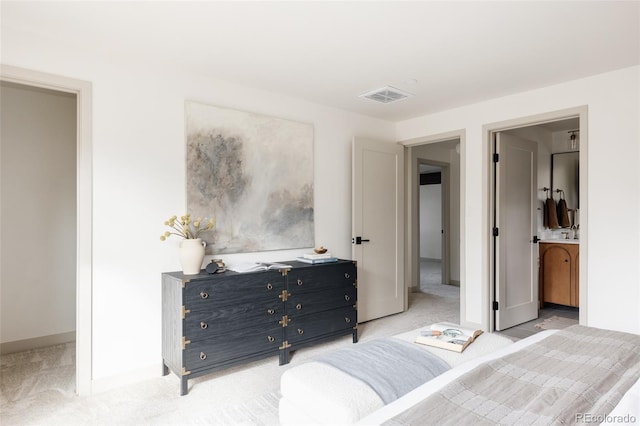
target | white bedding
[
  {"x": 315, "y": 393},
  {"x": 629, "y": 406}
]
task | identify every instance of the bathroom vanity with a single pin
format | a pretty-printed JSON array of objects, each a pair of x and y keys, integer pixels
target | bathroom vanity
[{"x": 559, "y": 272}]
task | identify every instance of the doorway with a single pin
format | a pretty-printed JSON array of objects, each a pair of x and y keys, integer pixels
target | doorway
[
  {"x": 83, "y": 223},
  {"x": 433, "y": 209},
  {"x": 550, "y": 133}
]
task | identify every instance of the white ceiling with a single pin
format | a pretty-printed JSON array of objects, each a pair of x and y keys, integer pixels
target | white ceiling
[{"x": 446, "y": 54}]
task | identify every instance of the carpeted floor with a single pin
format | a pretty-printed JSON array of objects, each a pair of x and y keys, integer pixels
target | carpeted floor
[
  {"x": 37, "y": 387},
  {"x": 556, "y": 323}
]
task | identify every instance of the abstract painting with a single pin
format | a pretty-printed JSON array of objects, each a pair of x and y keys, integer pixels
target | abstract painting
[{"x": 254, "y": 175}]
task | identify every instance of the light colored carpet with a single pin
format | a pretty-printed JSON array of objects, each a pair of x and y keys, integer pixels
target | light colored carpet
[
  {"x": 556, "y": 323},
  {"x": 37, "y": 387}
]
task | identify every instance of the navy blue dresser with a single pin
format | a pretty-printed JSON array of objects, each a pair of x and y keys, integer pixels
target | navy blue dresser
[{"x": 215, "y": 321}]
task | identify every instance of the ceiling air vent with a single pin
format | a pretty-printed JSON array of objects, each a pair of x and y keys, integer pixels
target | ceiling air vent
[{"x": 386, "y": 95}]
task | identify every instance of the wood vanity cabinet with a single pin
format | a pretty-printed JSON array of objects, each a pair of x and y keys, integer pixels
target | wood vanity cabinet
[
  {"x": 215, "y": 321},
  {"x": 559, "y": 274}
]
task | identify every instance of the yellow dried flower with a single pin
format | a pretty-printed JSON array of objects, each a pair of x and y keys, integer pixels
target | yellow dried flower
[{"x": 185, "y": 228}]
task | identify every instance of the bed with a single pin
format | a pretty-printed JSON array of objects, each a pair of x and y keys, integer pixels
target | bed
[
  {"x": 316, "y": 393},
  {"x": 577, "y": 375}
]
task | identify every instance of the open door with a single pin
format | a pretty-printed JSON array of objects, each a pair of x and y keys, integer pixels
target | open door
[
  {"x": 516, "y": 253},
  {"x": 378, "y": 227}
]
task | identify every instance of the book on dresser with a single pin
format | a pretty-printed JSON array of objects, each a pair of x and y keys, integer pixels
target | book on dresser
[
  {"x": 448, "y": 336},
  {"x": 314, "y": 256},
  {"x": 318, "y": 260},
  {"x": 257, "y": 266}
]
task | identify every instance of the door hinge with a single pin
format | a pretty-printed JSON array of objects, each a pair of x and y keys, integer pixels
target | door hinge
[
  {"x": 495, "y": 305},
  {"x": 496, "y": 157},
  {"x": 496, "y": 232}
]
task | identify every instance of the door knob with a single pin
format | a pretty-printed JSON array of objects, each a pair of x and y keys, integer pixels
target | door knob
[{"x": 358, "y": 240}]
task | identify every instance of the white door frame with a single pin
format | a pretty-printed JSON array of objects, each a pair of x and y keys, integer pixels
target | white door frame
[
  {"x": 412, "y": 263},
  {"x": 488, "y": 129},
  {"x": 83, "y": 91}
]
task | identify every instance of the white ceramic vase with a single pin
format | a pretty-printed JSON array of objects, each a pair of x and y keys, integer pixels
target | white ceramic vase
[{"x": 192, "y": 255}]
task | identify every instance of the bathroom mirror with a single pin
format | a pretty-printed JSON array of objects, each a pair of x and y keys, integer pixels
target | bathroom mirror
[{"x": 565, "y": 173}]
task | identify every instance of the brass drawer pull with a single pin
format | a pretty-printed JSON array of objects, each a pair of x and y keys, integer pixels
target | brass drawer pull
[
  {"x": 346, "y": 297},
  {"x": 298, "y": 306},
  {"x": 347, "y": 320},
  {"x": 204, "y": 295},
  {"x": 346, "y": 275},
  {"x": 269, "y": 286},
  {"x": 271, "y": 339},
  {"x": 271, "y": 311},
  {"x": 203, "y": 356},
  {"x": 203, "y": 325},
  {"x": 299, "y": 282},
  {"x": 300, "y": 331}
]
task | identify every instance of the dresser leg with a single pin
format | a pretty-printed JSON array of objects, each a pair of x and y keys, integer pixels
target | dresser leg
[
  {"x": 284, "y": 357},
  {"x": 183, "y": 386},
  {"x": 165, "y": 369},
  {"x": 355, "y": 335}
]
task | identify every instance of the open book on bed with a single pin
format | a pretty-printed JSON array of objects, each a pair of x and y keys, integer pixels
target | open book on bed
[{"x": 448, "y": 336}]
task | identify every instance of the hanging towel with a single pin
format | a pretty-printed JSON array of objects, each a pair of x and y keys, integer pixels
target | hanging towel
[
  {"x": 563, "y": 212},
  {"x": 550, "y": 219}
]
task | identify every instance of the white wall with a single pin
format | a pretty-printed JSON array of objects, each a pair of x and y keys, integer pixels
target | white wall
[
  {"x": 139, "y": 181},
  {"x": 431, "y": 221},
  {"x": 38, "y": 144},
  {"x": 613, "y": 154}
]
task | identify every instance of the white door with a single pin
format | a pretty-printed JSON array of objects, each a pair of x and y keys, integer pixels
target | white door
[
  {"x": 378, "y": 227},
  {"x": 516, "y": 256}
]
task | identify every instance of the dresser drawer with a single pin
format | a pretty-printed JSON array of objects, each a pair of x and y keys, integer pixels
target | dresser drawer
[
  {"x": 228, "y": 290},
  {"x": 306, "y": 327},
  {"x": 318, "y": 277},
  {"x": 232, "y": 346},
  {"x": 204, "y": 324},
  {"x": 330, "y": 298}
]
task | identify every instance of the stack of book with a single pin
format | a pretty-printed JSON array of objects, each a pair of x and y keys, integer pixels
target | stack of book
[{"x": 315, "y": 258}]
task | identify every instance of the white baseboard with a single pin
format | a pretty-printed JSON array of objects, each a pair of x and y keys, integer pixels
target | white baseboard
[
  {"x": 104, "y": 384},
  {"x": 37, "y": 342}
]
